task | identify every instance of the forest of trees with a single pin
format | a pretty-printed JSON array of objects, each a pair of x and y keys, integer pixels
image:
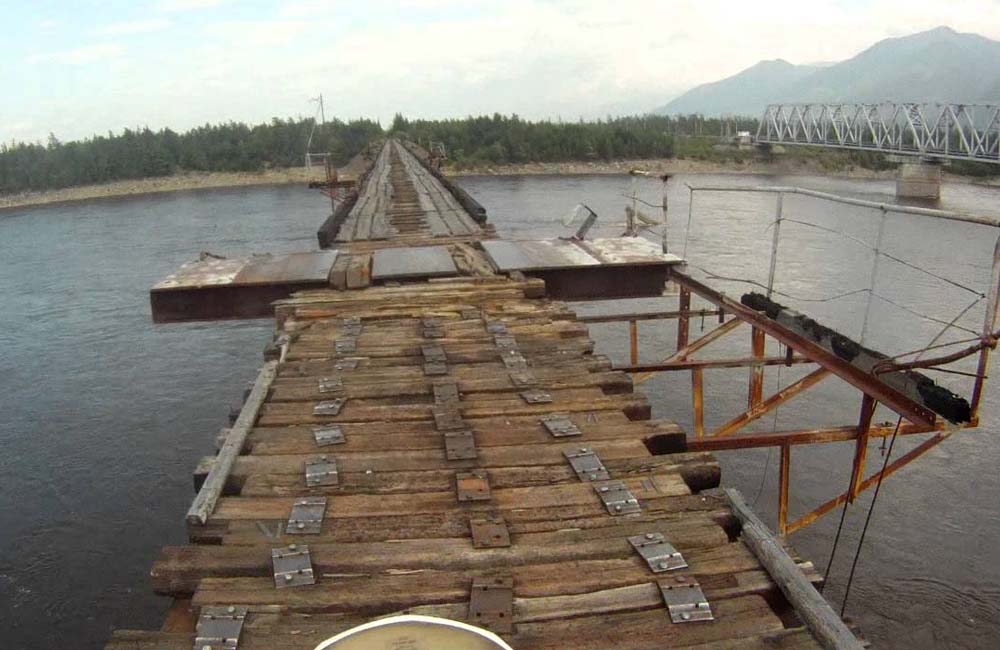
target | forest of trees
[
  {"x": 502, "y": 139},
  {"x": 144, "y": 153}
]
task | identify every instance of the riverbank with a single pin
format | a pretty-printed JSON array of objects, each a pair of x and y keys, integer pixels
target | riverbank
[
  {"x": 217, "y": 180},
  {"x": 174, "y": 183}
]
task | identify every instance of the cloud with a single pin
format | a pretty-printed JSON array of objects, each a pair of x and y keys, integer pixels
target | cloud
[
  {"x": 127, "y": 27},
  {"x": 80, "y": 55}
]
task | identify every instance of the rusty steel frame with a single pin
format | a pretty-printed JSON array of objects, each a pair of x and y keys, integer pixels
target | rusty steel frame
[{"x": 915, "y": 418}]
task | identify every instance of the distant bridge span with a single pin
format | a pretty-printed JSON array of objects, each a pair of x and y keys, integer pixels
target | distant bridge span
[{"x": 931, "y": 131}]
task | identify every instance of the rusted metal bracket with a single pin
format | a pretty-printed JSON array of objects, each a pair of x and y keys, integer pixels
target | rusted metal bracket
[
  {"x": 322, "y": 471},
  {"x": 685, "y": 600},
  {"x": 491, "y": 604},
  {"x": 329, "y": 435},
  {"x": 307, "y": 516},
  {"x": 586, "y": 464},
  {"x": 658, "y": 553},
  {"x": 489, "y": 532},
  {"x": 219, "y": 627},
  {"x": 473, "y": 486},
  {"x": 292, "y": 566},
  {"x": 617, "y": 498}
]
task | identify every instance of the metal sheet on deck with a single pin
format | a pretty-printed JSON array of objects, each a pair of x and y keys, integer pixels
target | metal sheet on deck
[
  {"x": 313, "y": 266},
  {"x": 628, "y": 251},
  {"x": 416, "y": 262},
  {"x": 209, "y": 272},
  {"x": 537, "y": 255}
]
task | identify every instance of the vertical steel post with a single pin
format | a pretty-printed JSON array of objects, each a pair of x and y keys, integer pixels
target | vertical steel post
[
  {"x": 756, "y": 391},
  {"x": 874, "y": 275},
  {"x": 665, "y": 179},
  {"x": 785, "y": 476},
  {"x": 989, "y": 326},
  {"x": 868, "y": 405},
  {"x": 774, "y": 243}
]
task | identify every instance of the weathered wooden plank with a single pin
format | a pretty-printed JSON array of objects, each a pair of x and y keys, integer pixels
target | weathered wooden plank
[{"x": 204, "y": 503}]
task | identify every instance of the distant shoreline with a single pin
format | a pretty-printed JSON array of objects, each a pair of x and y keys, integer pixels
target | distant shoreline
[{"x": 300, "y": 175}]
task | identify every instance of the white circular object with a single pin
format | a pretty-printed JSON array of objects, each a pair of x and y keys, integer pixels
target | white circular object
[{"x": 414, "y": 632}]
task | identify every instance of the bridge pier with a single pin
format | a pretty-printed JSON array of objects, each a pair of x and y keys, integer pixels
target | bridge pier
[{"x": 919, "y": 180}]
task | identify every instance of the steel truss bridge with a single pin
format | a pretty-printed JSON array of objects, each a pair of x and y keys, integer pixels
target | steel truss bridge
[{"x": 941, "y": 131}]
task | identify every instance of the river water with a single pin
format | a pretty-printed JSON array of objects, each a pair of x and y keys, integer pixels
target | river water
[{"x": 105, "y": 414}]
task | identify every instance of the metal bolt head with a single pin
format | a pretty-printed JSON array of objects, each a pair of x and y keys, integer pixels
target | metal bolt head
[
  {"x": 661, "y": 565},
  {"x": 618, "y": 508},
  {"x": 292, "y": 547},
  {"x": 686, "y": 616},
  {"x": 231, "y": 609},
  {"x": 300, "y": 525},
  {"x": 288, "y": 577},
  {"x": 604, "y": 488},
  {"x": 650, "y": 535}
]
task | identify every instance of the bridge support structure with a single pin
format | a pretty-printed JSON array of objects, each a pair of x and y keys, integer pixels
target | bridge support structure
[{"x": 920, "y": 179}]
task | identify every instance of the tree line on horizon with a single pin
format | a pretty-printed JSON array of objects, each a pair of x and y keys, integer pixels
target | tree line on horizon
[{"x": 238, "y": 147}]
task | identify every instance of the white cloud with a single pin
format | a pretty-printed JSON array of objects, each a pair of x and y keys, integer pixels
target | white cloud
[
  {"x": 79, "y": 55},
  {"x": 127, "y": 27}
]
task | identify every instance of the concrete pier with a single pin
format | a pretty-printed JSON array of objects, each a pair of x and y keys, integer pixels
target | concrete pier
[{"x": 919, "y": 180}]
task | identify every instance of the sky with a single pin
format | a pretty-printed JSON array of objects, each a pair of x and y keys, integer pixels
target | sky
[{"x": 79, "y": 68}]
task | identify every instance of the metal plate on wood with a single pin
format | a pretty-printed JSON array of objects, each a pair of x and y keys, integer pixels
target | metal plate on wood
[
  {"x": 473, "y": 486},
  {"x": 329, "y": 407},
  {"x": 685, "y": 601},
  {"x": 659, "y": 554},
  {"x": 435, "y": 369},
  {"x": 219, "y": 627},
  {"x": 433, "y": 353},
  {"x": 537, "y": 255},
  {"x": 445, "y": 392},
  {"x": 489, "y": 532},
  {"x": 307, "y": 516},
  {"x": 559, "y": 425},
  {"x": 292, "y": 267},
  {"x": 414, "y": 262},
  {"x": 346, "y": 345},
  {"x": 331, "y": 385},
  {"x": 512, "y": 359},
  {"x": 586, "y": 464},
  {"x": 491, "y": 604},
  {"x": 351, "y": 326},
  {"x": 330, "y": 435},
  {"x": 322, "y": 471},
  {"x": 348, "y": 363},
  {"x": 468, "y": 313},
  {"x": 522, "y": 378},
  {"x": 617, "y": 498},
  {"x": 496, "y": 327},
  {"x": 432, "y": 332},
  {"x": 448, "y": 418},
  {"x": 292, "y": 566},
  {"x": 460, "y": 445},
  {"x": 536, "y": 396},
  {"x": 505, "y": 341}
]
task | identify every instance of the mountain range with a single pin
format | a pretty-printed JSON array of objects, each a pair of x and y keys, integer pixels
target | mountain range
[{"x": 937, "y": 65}]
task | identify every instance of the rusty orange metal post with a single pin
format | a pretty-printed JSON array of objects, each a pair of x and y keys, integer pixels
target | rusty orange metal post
[
  {"x": 868, "y": 405},
  {"x": 756, "y": 390},
  {"x": 785, "y": 476}
]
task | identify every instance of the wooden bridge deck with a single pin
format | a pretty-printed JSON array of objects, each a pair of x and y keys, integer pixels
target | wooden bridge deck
[{"x": 448, "y": 475}]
